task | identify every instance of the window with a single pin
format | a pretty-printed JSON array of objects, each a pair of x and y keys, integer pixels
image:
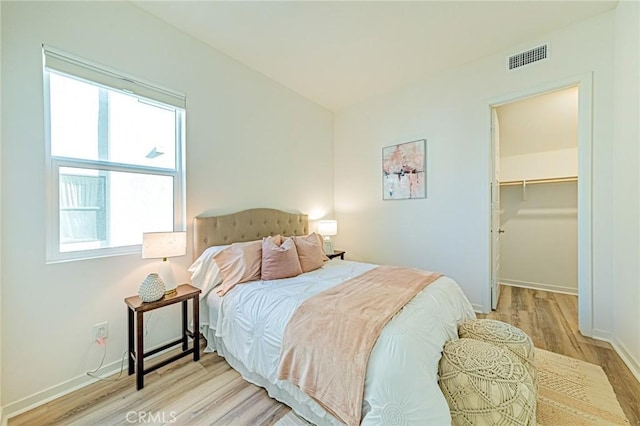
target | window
[{"x": 114, "y": 156}]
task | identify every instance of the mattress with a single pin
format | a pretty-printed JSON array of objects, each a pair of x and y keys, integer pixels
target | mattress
[{"x": 246, "y": 327}]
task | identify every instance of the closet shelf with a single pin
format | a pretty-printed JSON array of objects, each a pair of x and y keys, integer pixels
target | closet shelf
[{"x": 532, "y": 181}]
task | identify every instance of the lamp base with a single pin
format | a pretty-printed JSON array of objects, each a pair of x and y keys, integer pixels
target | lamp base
[
  {"x": 166, "y": 272},
  {"x": 327, "y": 245}
]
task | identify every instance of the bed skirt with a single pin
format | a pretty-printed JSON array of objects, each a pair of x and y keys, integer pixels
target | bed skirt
[{"x": 282, "y": 391}]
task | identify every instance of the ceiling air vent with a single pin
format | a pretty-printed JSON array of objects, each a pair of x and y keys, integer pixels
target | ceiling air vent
[{"x": 525, "y": 58}]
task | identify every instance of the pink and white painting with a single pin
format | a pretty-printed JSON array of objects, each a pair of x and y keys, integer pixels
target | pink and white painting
[{"x": 403, "y": 169}]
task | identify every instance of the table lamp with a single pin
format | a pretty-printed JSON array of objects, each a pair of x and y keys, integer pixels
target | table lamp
[
  {"x": 327, "y": 228},
  {"x": 162, "y": 245}
]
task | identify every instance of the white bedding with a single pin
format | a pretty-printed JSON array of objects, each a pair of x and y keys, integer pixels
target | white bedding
[{"x": 247, "y": 324}]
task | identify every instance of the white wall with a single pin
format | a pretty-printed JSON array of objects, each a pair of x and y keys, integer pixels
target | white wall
[
  {"x": 539, "y": 248},
  {"x": 539, "y": 136},
  {"x": 540, "y": 123},
  {"x": 250, "y": 143},
  {"x": 626, "y": 184},
  {"x": 540, "y": 165},
  {"x": 449, "y": 231}
]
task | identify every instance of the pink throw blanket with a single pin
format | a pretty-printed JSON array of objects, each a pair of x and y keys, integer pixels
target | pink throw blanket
[{"x": 327, "y": 342}]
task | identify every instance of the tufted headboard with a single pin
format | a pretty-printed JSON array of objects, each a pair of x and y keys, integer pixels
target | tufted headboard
[{"x": 247, "y": 225}]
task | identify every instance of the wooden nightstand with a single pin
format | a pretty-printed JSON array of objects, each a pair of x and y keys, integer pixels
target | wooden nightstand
[
  {"x": 136, "y": 352},
  {"x": 336, "y": 253}
]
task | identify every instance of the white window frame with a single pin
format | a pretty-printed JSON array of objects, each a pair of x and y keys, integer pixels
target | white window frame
[{"x": 63, "y": 63}]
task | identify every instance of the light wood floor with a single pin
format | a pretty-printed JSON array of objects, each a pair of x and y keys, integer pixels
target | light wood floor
[
  {"x": 551, "y": 319},
  {"x": 210, "y": 392}
]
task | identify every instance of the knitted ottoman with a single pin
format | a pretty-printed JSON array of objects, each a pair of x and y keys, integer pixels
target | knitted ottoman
[
  {"x": 505, "y": 336},
  {"x": 486, "y": 385}
]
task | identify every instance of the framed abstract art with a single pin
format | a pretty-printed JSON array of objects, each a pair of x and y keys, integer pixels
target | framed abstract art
[{"x": 404, "y": 171}]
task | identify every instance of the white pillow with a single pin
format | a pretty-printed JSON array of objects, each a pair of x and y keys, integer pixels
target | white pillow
[{"x": 205, "y": 273}]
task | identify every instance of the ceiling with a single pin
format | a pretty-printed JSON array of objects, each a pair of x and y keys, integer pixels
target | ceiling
[{"x": 337, "y": 53}]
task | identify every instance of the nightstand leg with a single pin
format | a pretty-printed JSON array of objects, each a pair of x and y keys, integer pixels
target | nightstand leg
[
  {"x": 185, "y": 336},
  {"x": 196, "y": 328},
  {"x": 131, "y": 340},
  {"x": 139, "y": 351}
]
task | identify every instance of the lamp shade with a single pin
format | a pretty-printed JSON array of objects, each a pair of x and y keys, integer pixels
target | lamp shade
[
  {"x": 328, "y": 227},
  {"x": 158, "y": 245}
]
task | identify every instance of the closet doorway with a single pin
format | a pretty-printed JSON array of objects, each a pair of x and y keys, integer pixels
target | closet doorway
[{"x": 540, "y": 193}]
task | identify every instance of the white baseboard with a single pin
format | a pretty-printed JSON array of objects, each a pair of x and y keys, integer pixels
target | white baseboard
[
  {"x": 621, "y": 350},
  {"x": 478, "y": 308},
  {"x": 39, "y": 398},
  {"x": 596, "y": 333},
  {"x": 540, "y": 286},
  {"x": 30, "y": 402},
  {"x": 627, "y": 358}
]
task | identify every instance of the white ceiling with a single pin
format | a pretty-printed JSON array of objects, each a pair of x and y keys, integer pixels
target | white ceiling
[{"x": 337, "y": 53}]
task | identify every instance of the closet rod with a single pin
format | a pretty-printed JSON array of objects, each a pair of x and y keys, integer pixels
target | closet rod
[{"x": 529, "y": 181}]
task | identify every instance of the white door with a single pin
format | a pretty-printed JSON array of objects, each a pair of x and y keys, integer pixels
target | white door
[{"x": 495, "y": 209}]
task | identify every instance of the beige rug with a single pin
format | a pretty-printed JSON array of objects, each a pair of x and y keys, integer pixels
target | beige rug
[
  {"x": 574, "y": 392},
  {"x": 570, "y": 393}
]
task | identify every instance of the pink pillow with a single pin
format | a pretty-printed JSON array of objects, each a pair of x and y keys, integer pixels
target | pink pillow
[
  {"x": 205, "y": 273},
  {"x": 310, "y": 252},
  {"x": 239, "y": 263},
  {"x": 279, "y": 260}
]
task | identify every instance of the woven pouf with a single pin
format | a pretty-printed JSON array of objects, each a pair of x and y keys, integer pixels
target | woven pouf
[
  {"x": 504, "y": 335},
  {"x": 486, "y": 385}
]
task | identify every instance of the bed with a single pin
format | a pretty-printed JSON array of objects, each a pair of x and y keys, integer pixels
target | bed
[{"x": 246, "y": 325}]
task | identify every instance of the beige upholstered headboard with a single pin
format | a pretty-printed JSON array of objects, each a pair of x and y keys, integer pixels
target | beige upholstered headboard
[{"x": 247, "y": 225}]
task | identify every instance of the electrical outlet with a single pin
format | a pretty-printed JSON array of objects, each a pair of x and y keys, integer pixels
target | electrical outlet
[{"x": 101, "y": 330}]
